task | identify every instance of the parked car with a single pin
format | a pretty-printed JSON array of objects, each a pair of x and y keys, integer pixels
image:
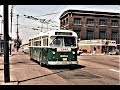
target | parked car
[
  {"x": 115, "y": 52},
  {"x": 79, "y": 52},
  {"x": 25, "y": 48}
]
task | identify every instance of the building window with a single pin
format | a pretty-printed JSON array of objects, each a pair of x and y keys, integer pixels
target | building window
[
  {"x": 90, "y": 35},
  {"x": 77, "y": 20},
  {"x": 63, "y": 22},
  {"x": 90, "y": 21},
  {"x": 102, "y": 35},
  {"x": 102, "y": 22},
  {"x": 66, "y": 21},
  {"x": 114, "y": 36},
  {"x": 114, "y": 23},
  {"x": 78, "y": 32}
]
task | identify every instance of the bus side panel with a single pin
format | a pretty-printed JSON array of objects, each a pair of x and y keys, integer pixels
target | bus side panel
[
  {"x": 31, "y": 52},
  {"x": 35, "y": 53},
  {"x": 45, "y": 55}
]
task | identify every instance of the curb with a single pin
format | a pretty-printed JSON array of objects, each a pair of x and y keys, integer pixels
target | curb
[
  {"x": 91, "y": 54},
  {"x": 8, "y": 83},
  {"x": 12, "y": 82}
]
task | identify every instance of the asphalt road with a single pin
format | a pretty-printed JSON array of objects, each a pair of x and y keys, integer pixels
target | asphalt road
[{"x": 92, "y": 70}]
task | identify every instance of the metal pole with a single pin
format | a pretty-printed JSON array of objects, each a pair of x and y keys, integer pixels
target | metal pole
[
  {"x": 11, "y": 20},
  {"x": 1, "y": 23},
  {"x": 118, "y": 36},
  {"x": 1, "y": 27},
  {"x": 11, "y": 28},
  {"x": 17, "y": 33},
  {"x": 6, "y": 45}
]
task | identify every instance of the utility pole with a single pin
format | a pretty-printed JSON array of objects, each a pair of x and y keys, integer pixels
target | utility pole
[
  {"x": 11, "y": 20},
  {"x": 1, "y": 23},
  {"x": 1, "y": 26},
  {"x": 119, "y": 33},
  {"x": 6, "y": 45},
  {"x": 11, "y": 26},
  {"x": 17, "y": 34}
]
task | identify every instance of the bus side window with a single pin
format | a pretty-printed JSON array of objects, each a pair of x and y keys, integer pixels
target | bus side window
[
  {"x": 47, "y": 41},
  {"x": 57, "y": 42}
]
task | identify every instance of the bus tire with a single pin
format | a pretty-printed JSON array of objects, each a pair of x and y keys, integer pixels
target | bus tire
[
  {"x": 31, "y": 58},
  {"x": 41, "y": 64}
]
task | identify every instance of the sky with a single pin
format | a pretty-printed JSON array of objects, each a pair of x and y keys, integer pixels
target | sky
[{"x": 50, "y": 13}]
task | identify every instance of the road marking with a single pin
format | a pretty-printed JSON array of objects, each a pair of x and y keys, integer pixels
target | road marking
[{"x": 114, "y": 70}]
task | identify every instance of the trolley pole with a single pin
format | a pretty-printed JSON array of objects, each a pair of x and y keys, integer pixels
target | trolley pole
[
  {"x": 42, "y": 24},
  {"x": 6, "y": 45}
]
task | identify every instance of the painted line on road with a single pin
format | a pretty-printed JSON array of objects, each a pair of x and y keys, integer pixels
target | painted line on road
[{"x": 114, "y": 70}]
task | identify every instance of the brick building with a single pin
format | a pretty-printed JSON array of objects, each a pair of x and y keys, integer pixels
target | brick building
[{"x": 92, "y": 24}]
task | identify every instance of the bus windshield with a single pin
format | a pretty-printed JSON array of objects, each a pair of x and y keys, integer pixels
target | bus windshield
[{"x": 63, "y": 41}]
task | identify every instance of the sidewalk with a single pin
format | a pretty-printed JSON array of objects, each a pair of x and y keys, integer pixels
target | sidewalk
[
  {"x": 91, "y": 54},
  {"x": 2, "y": 80},
  {"x": 21, "y": 72}
]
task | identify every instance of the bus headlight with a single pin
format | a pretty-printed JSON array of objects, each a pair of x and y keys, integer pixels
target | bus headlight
[
  {"x": 73, "y": 52},
  {"x": 53, "y": 52}
]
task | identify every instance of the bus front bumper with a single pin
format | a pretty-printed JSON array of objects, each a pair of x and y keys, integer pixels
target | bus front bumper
[{"x": 62, "y": 62}]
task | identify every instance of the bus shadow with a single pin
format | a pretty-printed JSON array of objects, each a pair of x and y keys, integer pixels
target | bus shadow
[
  {"x": 61, "y": 66},
  {"x": 20, "y": 81},
  {"x": 54, "y": 67}
]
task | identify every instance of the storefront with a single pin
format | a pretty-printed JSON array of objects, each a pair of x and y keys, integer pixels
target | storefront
[{"x": 97, "y": 46}]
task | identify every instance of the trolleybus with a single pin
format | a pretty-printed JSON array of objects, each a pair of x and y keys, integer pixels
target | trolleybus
[{"x": 55, "y": 47}]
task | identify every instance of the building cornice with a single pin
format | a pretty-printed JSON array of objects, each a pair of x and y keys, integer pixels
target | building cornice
[{"x": 95, "y": 13}]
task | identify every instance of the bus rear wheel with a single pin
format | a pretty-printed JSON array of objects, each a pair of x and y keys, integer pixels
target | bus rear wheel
[{"x": 41, "y": 64}]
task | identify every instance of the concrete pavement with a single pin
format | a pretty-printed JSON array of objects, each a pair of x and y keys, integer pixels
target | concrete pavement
[{"x": 2, "y": 80}]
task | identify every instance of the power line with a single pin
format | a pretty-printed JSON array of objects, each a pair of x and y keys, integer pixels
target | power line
[
  {"x": 48, "y": 14},
  {"x": 60, "y": 12},
  {"x": 43, "y": 21}
]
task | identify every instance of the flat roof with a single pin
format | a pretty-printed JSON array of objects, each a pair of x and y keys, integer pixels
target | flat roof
[{"x": 109, "y": 14}]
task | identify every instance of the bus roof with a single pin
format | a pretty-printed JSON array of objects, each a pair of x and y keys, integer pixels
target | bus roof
[{"x": 52, "y": 33}]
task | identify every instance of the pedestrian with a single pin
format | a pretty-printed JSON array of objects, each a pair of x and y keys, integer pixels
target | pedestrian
[{"x": 94, "y": 51}]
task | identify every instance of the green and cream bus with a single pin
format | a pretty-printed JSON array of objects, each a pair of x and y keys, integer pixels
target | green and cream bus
[{"x": 55, "y": 47}]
